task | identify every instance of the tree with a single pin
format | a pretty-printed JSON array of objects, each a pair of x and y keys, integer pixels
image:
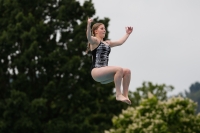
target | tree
[
  {"x": 176, "y": 115},
  {"x": 160, "y": 91},
  {"x": 45, "y": 77},
  {"x": 195, "y": 87},
  {"x": 194, "y": 94}
]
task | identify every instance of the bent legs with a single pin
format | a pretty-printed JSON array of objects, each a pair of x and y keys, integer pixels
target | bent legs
[
  {"x": 126, "y": 81},
  {"x": 111, "y": 73}
]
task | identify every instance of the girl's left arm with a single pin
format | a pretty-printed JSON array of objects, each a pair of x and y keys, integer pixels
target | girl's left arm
[{"x": 122, "y": 40}]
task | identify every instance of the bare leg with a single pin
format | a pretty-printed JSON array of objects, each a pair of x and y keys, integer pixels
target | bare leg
[
  {"x": 109, "y": 73},
  {"x": 118, "y": 79},
  {"x": 126, "y": 81}
]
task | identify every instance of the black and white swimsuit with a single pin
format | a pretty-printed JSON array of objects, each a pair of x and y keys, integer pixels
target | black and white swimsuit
[{"x": 100, "y": 55}]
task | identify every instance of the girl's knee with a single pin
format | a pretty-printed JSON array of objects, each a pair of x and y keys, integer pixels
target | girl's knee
[
  {"x": 127, "y": 71},
  {"x": 120, "y": 70}
]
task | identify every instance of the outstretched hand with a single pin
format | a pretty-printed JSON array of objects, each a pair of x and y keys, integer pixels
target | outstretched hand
[
  {"x": 90, "y": 20},
  {"x": 129, "y": 30}
]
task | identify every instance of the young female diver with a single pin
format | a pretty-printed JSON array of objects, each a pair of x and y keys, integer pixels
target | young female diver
[{"x": 100, "y": 49}]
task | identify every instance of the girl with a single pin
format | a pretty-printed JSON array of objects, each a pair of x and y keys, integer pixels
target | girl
[{"x": 100, "y": 49}]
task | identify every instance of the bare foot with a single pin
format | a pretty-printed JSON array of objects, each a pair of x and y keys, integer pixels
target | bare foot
[
  {"x": 127, "y": 98},
  {"x": 123, "y": 99}
]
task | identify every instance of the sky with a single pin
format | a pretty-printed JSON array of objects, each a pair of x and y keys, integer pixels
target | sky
[{"x": 164, "y": 47}]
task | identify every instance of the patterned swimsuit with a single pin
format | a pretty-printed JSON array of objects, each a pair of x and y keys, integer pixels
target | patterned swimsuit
[{"x": 100, "y": 55}]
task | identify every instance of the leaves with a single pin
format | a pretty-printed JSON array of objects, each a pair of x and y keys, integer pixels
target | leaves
[
  {"x": 152, "y": 115},
  {"x": 160, "y": 91},
  {"x": 194, "y": 94},
  {"x": 45, "y": 79}
]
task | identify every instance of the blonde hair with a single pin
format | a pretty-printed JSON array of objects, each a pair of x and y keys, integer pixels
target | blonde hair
[{"x": 94, "y": 27}]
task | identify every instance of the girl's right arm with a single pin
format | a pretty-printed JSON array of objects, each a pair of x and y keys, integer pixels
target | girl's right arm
[{"x": 91, "y": 39}]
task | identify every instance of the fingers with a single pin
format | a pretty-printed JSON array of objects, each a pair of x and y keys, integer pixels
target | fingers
[
  {"x": 129, "y": 29},
  {"x": 90, "y": 20}
]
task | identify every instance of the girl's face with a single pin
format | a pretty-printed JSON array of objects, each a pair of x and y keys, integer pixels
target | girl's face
[{"x": 101, "y": 31}]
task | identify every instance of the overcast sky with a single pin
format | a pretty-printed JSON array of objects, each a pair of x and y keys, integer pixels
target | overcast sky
[{"x": 165, "y": 44}]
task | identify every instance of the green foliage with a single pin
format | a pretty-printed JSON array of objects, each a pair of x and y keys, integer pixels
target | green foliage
[
  {"x": 160, "y": 91},
  {"x": 194, "y": 94},
  {"x": 195, "y": 87},
  {"x": 175, "y": 115},
  {"x": 45, "y": 79}
]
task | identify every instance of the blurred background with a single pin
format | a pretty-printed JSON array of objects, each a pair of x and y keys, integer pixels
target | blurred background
[{"x": 45, "y": 80}]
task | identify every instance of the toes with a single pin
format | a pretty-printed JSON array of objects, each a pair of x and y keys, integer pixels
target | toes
[
  {"x": 129, "y": 100},
  {"x": 124, "y": 99}
]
